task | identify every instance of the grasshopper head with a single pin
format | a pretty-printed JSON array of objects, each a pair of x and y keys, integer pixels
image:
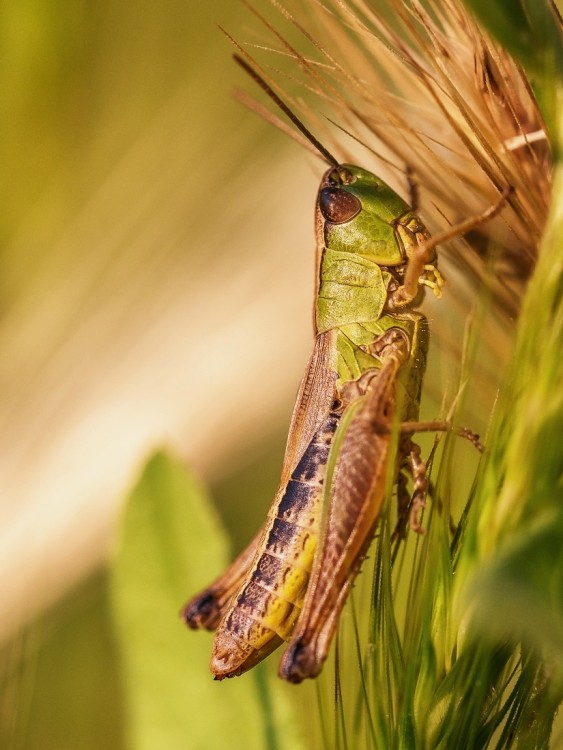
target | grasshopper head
[{"x": 360, "y": 214}]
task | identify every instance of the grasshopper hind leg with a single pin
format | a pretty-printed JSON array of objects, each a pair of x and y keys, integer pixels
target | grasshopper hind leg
[
  {"x": 205, "y": 610},
  {"x": 356, "y": 491}
]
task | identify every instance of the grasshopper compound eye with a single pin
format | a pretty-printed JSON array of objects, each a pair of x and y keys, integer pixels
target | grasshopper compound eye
[{"x": 337, "y": 205}]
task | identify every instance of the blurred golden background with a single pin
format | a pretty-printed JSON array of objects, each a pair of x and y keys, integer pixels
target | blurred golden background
[{"x": 145, "y": 293}]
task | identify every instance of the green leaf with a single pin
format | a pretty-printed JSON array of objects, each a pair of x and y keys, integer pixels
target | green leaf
[
  {"x": 59, "y": 685},
  {"x": 511, "y": 567},
  {"x": 508, "y": 21},
  {"x": 170, "y": 545},
  {"x": 519, "y": 25},
  {"x": 520, "y": 593}
]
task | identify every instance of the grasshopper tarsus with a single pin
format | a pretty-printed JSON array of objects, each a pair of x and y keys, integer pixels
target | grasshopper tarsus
[{"x": 473, "y": 438}]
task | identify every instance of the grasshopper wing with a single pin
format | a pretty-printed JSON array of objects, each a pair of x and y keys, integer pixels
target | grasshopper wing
[
  {"x": 314, "y": 401},
  {"x": 355, "y": 492}
]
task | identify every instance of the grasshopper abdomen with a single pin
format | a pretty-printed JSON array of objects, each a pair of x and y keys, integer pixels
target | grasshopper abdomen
[{"x": 264, "y": 611}]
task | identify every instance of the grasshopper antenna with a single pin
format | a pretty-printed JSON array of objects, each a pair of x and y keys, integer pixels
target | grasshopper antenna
[{"x": 325, "y": 153}]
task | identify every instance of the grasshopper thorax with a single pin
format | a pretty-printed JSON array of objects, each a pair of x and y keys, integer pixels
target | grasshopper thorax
[{"x": 361, "y": 215}]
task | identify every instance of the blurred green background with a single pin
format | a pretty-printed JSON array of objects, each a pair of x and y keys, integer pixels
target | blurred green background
[{"x": 138, "y": 310}]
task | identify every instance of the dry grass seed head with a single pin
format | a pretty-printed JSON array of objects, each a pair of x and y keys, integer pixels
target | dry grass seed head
[{"x": 423, "y": 89}]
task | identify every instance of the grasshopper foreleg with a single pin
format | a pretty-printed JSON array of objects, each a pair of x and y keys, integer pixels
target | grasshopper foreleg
[{"x": 422, "y": 251}]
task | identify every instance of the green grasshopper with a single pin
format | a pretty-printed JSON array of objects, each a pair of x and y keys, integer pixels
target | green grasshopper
[{"x": 374, "y": 256}]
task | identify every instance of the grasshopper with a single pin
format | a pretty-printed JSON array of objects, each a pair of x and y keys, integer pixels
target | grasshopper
[{"x": 374, "y": 257}]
